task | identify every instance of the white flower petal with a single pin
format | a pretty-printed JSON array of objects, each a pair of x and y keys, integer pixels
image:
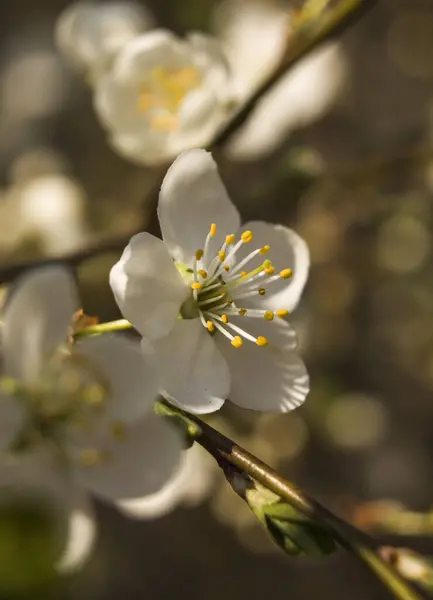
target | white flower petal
[
  {"x": 131, "y": 382},
  {"x": 192, "y": 372},
  {"x": 36, "y": 476},
  {"x": 149, "y": 149},
  {"x": 271, "y": 378},
  {"x": 139, "y": 465},
  {"x": 116, "y": 105},
  {"x": 210, "y": 58},
  {"x": 192, "y": 198},
  {"x": 147, "y": 286},
  {"x": 199, "y": 107},
  {"x": 36, "y": 320},
  {"x": 149, "y": 51},
  {"x": 162, "y": 502},
  {"x": 288, "y": 251},
  {"x": 90, "y": 34},
  {"x": 12, "y": 419}
]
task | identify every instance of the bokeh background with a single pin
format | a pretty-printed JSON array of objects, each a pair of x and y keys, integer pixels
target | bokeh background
[{"x": 342, "y": 152}]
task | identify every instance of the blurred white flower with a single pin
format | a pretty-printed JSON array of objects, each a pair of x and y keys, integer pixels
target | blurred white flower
[
  {"x": 52, "y": 207},
  {"x": 90, "y": 34},
  {"x": 254, "y": 34},
  {"x": 164, "y": 95},
  {"x": 197, "y": 271},
  {"x": 36, "y": 479},
  {"x": 92, "y": 400}
]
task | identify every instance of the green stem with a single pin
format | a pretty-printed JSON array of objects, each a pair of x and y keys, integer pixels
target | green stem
[
  {"x": 351, "y": 539},
  {"x": 108, "y": 327}
]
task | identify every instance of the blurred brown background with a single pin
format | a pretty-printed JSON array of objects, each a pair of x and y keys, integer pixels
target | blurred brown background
[{"x": 349, "y": 164}]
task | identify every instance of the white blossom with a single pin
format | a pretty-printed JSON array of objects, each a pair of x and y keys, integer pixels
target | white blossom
[
  {"x": 91, "y": 34},
  {"x": 164, "y": 95},
  {"x": 90, "y": 401},
  {"x": 233, "y": 339}
]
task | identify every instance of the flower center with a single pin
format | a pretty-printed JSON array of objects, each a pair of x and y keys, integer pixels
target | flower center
[
  {"x": 221, "y": 283},
  {"x": 161, "y": 96}
]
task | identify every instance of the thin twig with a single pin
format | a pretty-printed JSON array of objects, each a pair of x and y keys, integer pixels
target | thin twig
[
  {"x": 351, "y": 539},
  {"x": 309, "y": 31}
]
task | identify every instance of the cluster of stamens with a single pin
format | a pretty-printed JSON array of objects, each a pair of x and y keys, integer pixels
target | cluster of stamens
[
  {"x": 220, "y": 284},
  {"x": 71, "y": 392},
  {"x": 163, "y": 93}
]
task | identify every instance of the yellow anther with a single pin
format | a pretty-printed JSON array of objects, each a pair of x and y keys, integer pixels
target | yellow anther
[
  {"x": 269, "y": 315},
  {"x": 267, "y": 263},
  {"x": 222, "y": 255},
  {"x": 247, "y": 236},
  {"x": 243, "y": 273},
  {"x": 196, "y": 285},
  {"x": 210, "y": 326},
  {"x": 91, "y": 457},
  {"x": 226, "y": 268},
  {"x": 264, "y": 249},
  {"x": 270, "y": 270},
  {"x": 224, "y": 318},
  {"x": 202, "y": 273},
  {"x": 242, "y": 312},
  {"x": 212, "y": 231},
  {"x": 230, "y": 238},
  {"x": 118, "y": 430},
  {"x": 236, "y": 342},
  {"x": 94, "y": 395},
  {"x": 262, "y": 341},
  {"x": 281, "y": 313},
  {"x": 286, "y": 273},
  {"x": 229, "y": 301},
  {"x": 145, "y": 101},
  {"x": 198, "y": 254},
  {"x": 262, "y": 291},
  {"x": 164, "y": 122}
]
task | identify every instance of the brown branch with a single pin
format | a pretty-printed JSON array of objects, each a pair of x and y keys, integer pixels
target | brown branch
[{"x": 354, "y": 541}]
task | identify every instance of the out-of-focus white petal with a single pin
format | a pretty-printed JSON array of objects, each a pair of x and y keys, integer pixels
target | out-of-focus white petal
[
  {"x": 147, "y": 286},
  {"x": 149, "y": 149},
  {"x": 193, "y": 197},
  {"x": 209, "y": 57},
  {"x": 36, "y": 319},
  {"x": 192, "y": 372},
  {"x": 138, "y": 465},
  {"x": 270, "y": 378},
  {"x": 12, "y": 419},
  {"x": 154, "y": 49},
  {"x": 288, "y": 251},
  {"x": 117, "y": 106},
  {"x": 36, "y": 476},
  {"x": 90, "y": 34},
  {"x": 253, "y": 33},
  {"x": 190, "y": 486},
  {"x": 298, "y": 99},
  {"x": 80, "y": 532},
  {"x": 132, "y": 385}
]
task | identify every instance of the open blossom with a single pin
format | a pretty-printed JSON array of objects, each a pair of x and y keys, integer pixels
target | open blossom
[
  {"x": 91, "y": 34},
  {"x": 164, "y": 95},
  {"x": 233, "y": 287},
  {"x": 90, "y": 401}
]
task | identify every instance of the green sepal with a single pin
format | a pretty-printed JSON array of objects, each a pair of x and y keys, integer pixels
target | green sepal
[
  {"x": 188, "y": 429},
  {"x": 294, "y": 533}
]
